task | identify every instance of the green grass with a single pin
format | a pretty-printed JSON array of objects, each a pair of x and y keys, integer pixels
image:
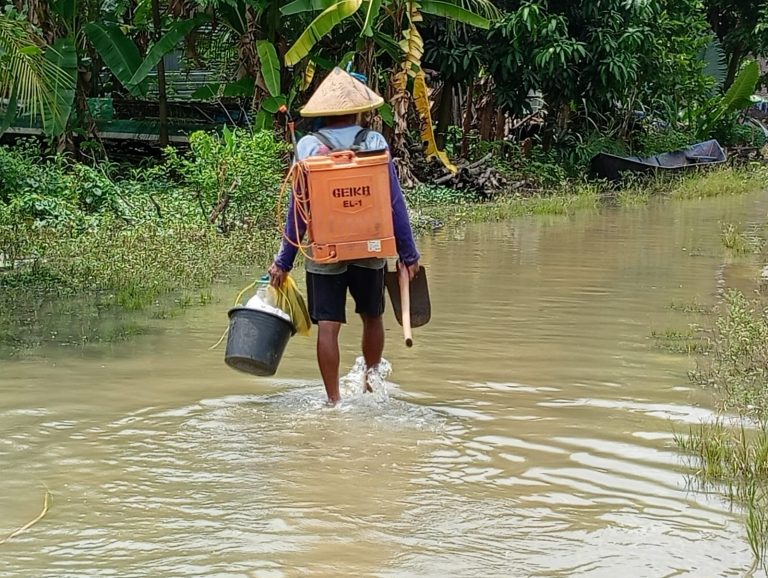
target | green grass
[
  {"x": 734, "y": 460},
  {"x": 675, "y": 341},
  {"x": 560, "y": 202},
  {"x": 735, "y": 240},
  {"x": 135, "y": 266},
  {"x": 693, "y": 307},
  {"x": 727, "y": 181},
  {"x": 633, "y": 196},
  {"x": 163, "y": 269},
  {"x": 737, "y": 365}
]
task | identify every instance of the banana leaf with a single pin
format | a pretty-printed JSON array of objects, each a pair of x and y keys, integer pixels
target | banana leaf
[
  {"x": 374, "y": 6},
  {"x": 273, "y": 103},
  {"x": 738, "y": 97},
  {"x": 233, "y": 16},
  {"x": 119, "y": 53},
  {"x": 387, "y": 117},
  {"x": 299, "y": 6},
  {"x": 270, "y": 66},
  {"x": 421, "y": 101},
  {"x": 413, "y": 47},
  {"x": 263, "y": 120},
  {"x": 176, "y": 32},
  {"x": 388, "y": 44},
  {"x": 453, "y": 11},
  {"x": 309, "y": 74},
  {"x": 56, "y": 113},
  {"x": 66, "y": 10},
  {"x": 319, "y": 27}
]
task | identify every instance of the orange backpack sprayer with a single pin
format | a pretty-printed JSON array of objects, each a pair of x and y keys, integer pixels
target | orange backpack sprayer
[{"x": 344, "y": 198}]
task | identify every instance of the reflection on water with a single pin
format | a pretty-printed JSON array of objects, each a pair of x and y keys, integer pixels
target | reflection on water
[{"x": 529, "y": 432}]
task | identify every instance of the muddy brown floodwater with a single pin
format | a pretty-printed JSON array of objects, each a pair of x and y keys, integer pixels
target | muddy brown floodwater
[{"x": 529, "y": 432}]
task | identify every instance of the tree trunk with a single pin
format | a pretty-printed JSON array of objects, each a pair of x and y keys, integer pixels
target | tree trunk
[
  {"x": 467, "y": 126},
  {"x": 444, "y": 114},
  {"x": 486, "y": 114},
  {"x": 734, "y": 60},
  {"x": 501, "y": 121},
  {"x": 162, "y": 97}
]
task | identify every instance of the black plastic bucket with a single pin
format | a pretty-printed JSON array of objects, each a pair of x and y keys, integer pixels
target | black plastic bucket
[{"x": 256, "y": 340}]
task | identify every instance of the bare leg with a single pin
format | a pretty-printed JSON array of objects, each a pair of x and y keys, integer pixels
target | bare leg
[
  {"x": 373, "y": 343},
  {"x": 328, "y": 358}
]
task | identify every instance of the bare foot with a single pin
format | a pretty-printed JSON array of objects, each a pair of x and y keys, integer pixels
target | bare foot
[
  {"x": 332, "y": 402},
  {"x": 367, "y": 388}
]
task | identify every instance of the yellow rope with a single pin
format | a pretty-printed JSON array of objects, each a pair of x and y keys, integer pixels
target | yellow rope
[
  {"x": 223, "y": 335},
  {"x": 27, "y": 526},
  {"x": 240, "y": 295},
  {"x": 237, "y": 302}
]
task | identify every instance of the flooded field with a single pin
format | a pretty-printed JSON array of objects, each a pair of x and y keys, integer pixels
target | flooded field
[{"x": 528, "y": 432}]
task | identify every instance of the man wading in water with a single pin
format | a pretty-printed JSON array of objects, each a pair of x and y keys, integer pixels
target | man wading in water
[{"x": 338, "y": 101}]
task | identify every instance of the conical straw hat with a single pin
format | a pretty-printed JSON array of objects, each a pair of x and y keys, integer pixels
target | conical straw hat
[{"x": 339, "y": 94}]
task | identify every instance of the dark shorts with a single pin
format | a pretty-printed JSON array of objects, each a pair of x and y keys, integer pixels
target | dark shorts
[{"x": 327, "y": 294}]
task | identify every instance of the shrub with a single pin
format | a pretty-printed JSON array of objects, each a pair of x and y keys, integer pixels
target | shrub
[
  {"x": 729, "y": 132},
  {"x": 538, "y": 167},
  {"x": 238, "y": 170},
  {"x": 573, "y": 152},
  {"x": 16, "y": 240},
  {"x": 427, "y": 195},
  {"x": 659, "y": 139},
  {"x": 94, "y": 190}
]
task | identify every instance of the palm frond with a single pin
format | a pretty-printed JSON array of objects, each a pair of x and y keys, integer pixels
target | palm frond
[{"x": 26, "y": 72}]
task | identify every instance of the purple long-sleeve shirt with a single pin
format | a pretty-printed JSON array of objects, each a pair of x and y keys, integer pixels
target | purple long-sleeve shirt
[{"x": 308, "y": 146}]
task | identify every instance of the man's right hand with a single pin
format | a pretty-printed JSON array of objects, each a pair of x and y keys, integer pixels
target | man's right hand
[{"x": 276, "y": 275}]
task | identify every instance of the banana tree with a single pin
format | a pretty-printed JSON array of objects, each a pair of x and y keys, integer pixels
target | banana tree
[
  {"x": 123, "y": 58},
  {"x": 739, "y": 96},
  {"x": 391, "y": 25}
]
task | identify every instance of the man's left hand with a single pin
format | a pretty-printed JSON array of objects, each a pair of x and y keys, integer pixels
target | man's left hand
[{"x": 413, "y": 270}]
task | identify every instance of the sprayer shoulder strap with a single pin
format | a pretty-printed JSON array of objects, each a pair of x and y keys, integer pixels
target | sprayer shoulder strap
[{"x": 357, "y": 144}]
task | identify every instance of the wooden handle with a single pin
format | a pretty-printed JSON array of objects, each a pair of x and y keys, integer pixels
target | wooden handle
[{"x": 405, "y": 303}]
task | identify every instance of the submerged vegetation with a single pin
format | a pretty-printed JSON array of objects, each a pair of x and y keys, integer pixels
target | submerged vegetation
[{"x": 731, "y": 454}]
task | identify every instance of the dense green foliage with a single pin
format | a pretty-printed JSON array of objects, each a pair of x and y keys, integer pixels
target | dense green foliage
[
  {"x": 136, "y": 235},
  {"x": 238, "y": 171},
  {"x": 605, "y": 66}
]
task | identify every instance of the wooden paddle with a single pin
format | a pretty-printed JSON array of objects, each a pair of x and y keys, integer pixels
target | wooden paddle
[{"x": 415, "y": 293}]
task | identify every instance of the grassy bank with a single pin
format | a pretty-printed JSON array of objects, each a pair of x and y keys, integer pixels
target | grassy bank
[{"x": 451, "y": 207}]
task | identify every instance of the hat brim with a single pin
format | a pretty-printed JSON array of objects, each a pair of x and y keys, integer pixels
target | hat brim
[
  {"x": 354, "y": 110},
  {"x": 341, "y": 94}
]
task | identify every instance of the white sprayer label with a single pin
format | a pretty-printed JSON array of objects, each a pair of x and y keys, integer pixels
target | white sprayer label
[{"x": 374, "y": 246}]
